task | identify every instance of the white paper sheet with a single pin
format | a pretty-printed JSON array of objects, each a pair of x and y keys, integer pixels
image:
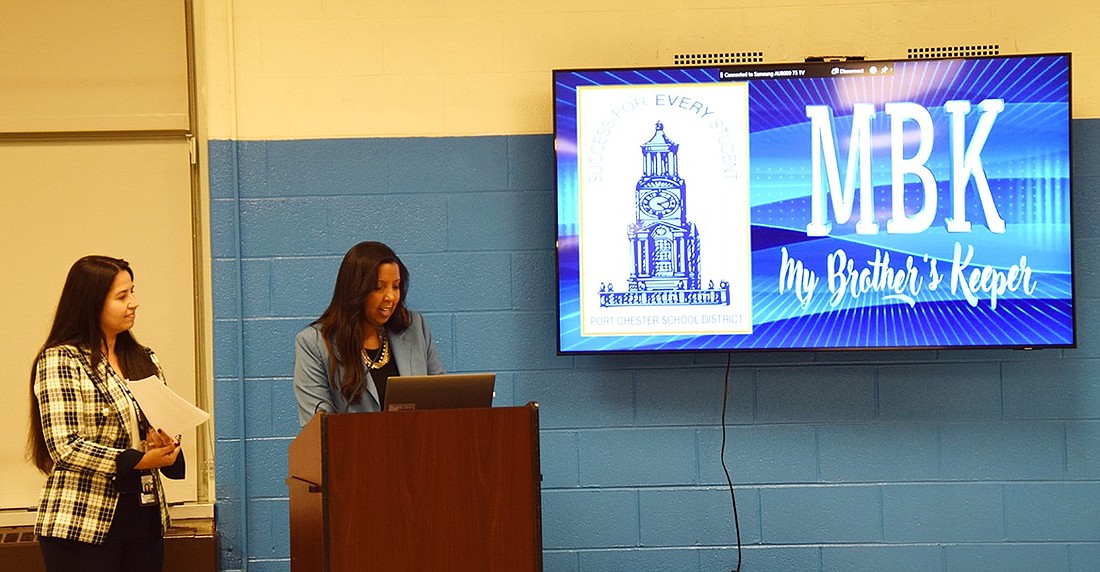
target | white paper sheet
[{"x": 164, "y": 408}]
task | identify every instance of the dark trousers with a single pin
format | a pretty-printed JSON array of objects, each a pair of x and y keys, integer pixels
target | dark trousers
[{"x": 134, "y": 544}]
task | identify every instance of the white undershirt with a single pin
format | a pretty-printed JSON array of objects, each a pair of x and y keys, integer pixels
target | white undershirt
[
  {"x": 132, "y": 426},
  {"x": 132, "y": 419}
]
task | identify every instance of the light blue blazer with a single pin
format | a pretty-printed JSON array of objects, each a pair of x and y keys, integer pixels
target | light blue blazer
[{"x": 414, "y": 351}]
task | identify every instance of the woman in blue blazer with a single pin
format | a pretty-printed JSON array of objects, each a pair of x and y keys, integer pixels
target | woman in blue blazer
[
  {"x": 103, "y": 506},
  {"x": 366, "y": 335}
]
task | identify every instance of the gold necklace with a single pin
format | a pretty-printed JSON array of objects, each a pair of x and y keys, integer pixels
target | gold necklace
[{"x": 383, "y": 352}]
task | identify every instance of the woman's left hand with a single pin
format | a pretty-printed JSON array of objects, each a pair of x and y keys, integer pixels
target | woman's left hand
[
  {"x": 161, "y": 450},
  {"x": 157, "y": 438}
]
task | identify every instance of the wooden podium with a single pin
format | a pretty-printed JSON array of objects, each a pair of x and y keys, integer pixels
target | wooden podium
[{"x": 454, "y": 489}]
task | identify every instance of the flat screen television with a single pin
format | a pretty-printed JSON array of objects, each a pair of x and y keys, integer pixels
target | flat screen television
[{"x": 806, "y": 206}]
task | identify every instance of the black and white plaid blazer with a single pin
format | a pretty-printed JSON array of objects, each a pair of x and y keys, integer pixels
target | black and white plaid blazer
[{"x": 84, "y": 412}]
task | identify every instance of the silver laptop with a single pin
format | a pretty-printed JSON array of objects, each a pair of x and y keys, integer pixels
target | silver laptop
[{"x": 447, "y": 391}]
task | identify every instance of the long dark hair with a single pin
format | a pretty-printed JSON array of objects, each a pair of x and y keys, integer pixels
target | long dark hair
[
  {"x": 77, "y": 323},
  {"x": 342, "y": 323}
]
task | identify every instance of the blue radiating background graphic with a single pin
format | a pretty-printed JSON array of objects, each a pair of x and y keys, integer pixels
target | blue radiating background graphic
[{"x": 1026, "y": 159}]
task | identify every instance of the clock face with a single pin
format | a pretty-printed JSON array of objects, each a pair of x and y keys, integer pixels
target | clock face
[{"x": 659, "y": 203}]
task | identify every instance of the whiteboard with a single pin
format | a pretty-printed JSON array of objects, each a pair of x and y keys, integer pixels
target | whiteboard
[
  {"x": 61, "y": 202},
  {"x": 94, "y": 159},
  {"x": 72, "y": 65}
]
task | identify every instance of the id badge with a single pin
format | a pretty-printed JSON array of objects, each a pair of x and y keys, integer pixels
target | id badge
[{"x": 148, "y": 490}]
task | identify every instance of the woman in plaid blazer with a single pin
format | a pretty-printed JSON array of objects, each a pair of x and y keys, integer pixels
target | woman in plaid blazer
[{"x": 103, "y": 506}]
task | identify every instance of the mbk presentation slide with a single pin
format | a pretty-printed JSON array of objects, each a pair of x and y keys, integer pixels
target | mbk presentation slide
[{"x": 893, "y": 204}]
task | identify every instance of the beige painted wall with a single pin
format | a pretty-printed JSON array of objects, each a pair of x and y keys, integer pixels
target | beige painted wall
[{"x": 350, "y": 68}]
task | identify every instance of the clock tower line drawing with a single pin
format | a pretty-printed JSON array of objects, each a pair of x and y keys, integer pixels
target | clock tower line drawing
[{"x": 664, "y": 244}]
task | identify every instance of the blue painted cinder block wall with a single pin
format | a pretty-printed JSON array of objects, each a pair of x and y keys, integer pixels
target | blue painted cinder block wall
[{"x": 929, "y": 460}]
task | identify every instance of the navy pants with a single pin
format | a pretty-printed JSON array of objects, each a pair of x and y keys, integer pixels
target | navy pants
[{"x": 134, "y": 544}]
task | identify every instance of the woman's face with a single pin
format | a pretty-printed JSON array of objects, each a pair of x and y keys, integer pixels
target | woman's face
[
  {"x": 382, "y": 301},
  {"x": 120, "y": 307}
]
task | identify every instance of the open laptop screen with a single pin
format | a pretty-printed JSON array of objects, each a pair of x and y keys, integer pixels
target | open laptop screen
[{"x": 447, "y": 391}]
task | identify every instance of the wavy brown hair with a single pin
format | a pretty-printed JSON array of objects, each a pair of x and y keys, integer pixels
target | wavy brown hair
[
  {"x": 343, "y": 322},
  {"x": 77, "y": 323}
]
